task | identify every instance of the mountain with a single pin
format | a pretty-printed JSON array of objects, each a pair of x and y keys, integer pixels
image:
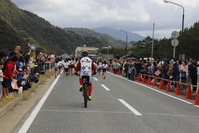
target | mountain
[
  {"x": 119, "y": 35},
  {"x": 20, "y": 27},
  {"x": 84, "y": 32}
]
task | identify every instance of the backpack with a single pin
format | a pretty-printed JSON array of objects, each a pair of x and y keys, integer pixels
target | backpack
[{"x": 170, "y": 71}]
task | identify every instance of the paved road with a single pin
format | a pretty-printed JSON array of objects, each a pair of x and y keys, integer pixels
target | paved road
[{"x": 118, "y": 106}]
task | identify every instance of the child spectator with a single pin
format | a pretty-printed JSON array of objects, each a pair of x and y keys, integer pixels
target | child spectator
[
  {"x": 131, "y": 72},
  {"x": 34, "y": 78},
  {"x": 20, "y": 78},
  {"x": 9, "y": 73}
]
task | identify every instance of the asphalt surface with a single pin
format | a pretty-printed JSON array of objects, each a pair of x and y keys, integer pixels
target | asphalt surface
[{"x": 118, "y": 106}]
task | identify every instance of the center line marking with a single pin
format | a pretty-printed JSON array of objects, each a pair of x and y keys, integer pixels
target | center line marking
[
  {"x": 105, "y": 87},
  {"x": 95, "y": 78},
  {"x": 130, "y": 107}
]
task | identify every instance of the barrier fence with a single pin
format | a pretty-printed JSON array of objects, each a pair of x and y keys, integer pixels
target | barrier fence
[
  {"x": 167, "y": 87},
  {"x": 165, "y": 84},
  {"x": 41, "y": 68}
]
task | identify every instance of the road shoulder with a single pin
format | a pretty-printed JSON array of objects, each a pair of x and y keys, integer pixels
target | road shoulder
[{"x": 16, "y": 115}]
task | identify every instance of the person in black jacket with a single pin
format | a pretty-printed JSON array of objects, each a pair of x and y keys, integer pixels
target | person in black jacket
[{"x": 193, "y": 73}]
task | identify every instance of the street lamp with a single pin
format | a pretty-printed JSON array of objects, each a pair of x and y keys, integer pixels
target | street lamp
[
  {"x": 152, "y": 41},
  {"x": 108, "y": 51},
  {"x": 126, "y": 39},
  {"x": 182, "y": 23}
]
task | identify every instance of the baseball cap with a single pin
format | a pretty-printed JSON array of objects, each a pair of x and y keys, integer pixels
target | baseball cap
[{"x": 164, "y": 59}]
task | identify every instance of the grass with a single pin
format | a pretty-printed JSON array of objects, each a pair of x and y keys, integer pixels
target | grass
[{"x": 27, "y": 93}]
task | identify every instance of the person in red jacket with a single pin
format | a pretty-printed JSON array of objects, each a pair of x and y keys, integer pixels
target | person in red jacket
[
  {"x": 9, "y": 73},
  {"x": 86, "y": 67}
]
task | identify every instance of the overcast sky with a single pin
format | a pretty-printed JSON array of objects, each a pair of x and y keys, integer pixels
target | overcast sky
[{"x": 135, "y": 16}]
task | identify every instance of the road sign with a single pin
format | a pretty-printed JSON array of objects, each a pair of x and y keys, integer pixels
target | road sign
[
  {"x": 174, "y": 42},
  {"x": 174, "y": 34}
]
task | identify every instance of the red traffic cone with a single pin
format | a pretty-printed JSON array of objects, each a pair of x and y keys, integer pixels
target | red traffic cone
[
  {"x": 149, "y": 80},
  {"x": 188, "y": 94},
  {"x": 154, "y": 82},
  {"x": 143, "y": 80},
  {"x": 161, "y": 84},
  {"x": 118, "y": 72},
  {"x": 197, "y": 99},
  {"x": 168, "y": 89},
  {"x": 177, "y": 89},
  {"x": 138, "y": 79}
]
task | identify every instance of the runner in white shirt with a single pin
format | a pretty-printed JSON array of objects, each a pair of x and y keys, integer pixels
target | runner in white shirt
[
  {"x": 60, "y": 66},
  {"x": 104, "y": 68},
  {"x": 66, "y": 64},
  {"x": 99, "y": 67}
]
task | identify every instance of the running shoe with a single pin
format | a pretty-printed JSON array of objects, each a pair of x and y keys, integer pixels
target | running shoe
[
  {"x": 81, "y": 88},
  {"x": 89, "y": 98},
  {"x": 11, "y": 97}
]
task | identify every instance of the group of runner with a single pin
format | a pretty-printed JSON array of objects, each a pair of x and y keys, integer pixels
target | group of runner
[
  {"x": 69, "y": 65},
  {"x": 84, "y": 67}
]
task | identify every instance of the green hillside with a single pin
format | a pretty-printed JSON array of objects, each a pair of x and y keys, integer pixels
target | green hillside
[
  {"x": 88, "y": 32},
  {"x": 9, "y": 37},
  {"x": 20, "y": 27}
]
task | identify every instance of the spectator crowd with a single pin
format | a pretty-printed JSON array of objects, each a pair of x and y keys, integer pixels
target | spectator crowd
[
  {"x": 18, "y": 70},
  {"x": 184, "y": 71}
]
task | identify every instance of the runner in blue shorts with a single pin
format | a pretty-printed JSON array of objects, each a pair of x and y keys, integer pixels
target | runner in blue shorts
[
  {"x": 66, "y": 67},
  {"x": 104, "y": 68}
]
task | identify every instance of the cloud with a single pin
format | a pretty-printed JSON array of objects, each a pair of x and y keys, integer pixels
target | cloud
[{"x": 131, "y": 15}]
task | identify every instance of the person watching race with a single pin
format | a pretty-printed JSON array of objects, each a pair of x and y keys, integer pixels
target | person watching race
[{"x": 85, "y": 67}]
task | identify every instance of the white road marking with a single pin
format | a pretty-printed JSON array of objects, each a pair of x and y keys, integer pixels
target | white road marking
[
  {"x": 130, "y": 107},
  {"x": 156, "y": 90},
  {"x": 105, "y": 87},
  {"x": 118, "y": 112},
  {"x": 87, "y": 111},
  {"x": 95, "y": 78},
  {"x": 171, "y": 115},
  {"x": 34, "y": 113}
]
